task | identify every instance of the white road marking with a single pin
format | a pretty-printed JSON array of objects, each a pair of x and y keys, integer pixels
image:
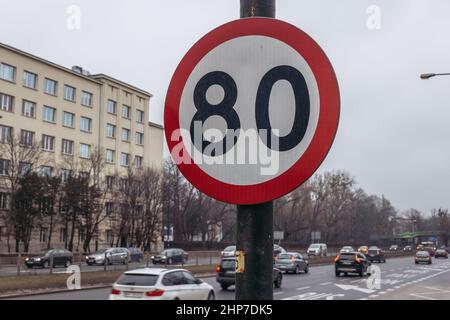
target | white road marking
[
  {"x": 373, "y": 296},
  {"x": 278, "y": 293},
  {"x": 302, "y": 288},
  {"x": 326, "y": 283},
  {"x": 381, "y": 292}
]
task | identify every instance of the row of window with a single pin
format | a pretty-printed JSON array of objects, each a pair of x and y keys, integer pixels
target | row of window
[
  {"x": 125, "y": 112},
  {"x": 30, "y": 80}
]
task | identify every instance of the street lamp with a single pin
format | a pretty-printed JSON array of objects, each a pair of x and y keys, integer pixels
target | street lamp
[{"x": 426, "y": 76}]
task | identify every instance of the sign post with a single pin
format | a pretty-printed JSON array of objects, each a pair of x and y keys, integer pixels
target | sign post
[{"x": 250, "y": 113}]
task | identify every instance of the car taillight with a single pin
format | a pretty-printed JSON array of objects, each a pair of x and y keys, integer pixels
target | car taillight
[
  {"x": 218, "y": 268},
  {"x": 155, "y": 293},
  {"x": 378, "y": 252},
  {"x": 358, "y": 260},
  {"x": 337, "y": 258},
  {"x": 115, "y": 292}
]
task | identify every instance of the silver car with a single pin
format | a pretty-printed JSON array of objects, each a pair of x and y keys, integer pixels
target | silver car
[{"x": 109, "y": 256}]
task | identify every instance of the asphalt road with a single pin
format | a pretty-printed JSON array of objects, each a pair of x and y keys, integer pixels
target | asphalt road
[
  {"x": 399, "y": 279},
  {"x": 11, "y": 270}
]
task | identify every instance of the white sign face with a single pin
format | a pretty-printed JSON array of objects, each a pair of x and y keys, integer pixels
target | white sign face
[
  {"x": 251, "y": 111},
  {"x": 247, "y": 60}
]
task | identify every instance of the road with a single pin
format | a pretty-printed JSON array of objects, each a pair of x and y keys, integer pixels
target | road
[
  {"x": 11, "y": 270},
  {"x": 400, "y": 279}
]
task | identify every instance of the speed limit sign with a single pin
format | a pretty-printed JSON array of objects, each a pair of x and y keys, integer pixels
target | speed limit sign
[{"x": 251, "y": 110}]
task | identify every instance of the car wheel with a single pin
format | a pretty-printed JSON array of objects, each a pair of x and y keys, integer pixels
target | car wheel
[
  {"x": 108, "y": 262},
  {"x": 296, "y": 270},
  {"x": 337, "y": 273},
  {"x": 29, "y": 267},
  {"x": 224, "y": 286},
  {"x": 278, "y": 281},
  {"x": 211, "y": 296},
  {"x": 306, "y": 269},
  {"x": 45, "y": 265},
  {"x": 68, "y": 263},
  {"x": 361, "y": 273}
]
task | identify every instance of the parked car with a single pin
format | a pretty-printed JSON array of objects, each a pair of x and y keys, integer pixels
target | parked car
[
  {"x": 226, "y": 274},
  {"x": 60, "y": 257},
  {"x": 160, "y": 284},
  {"x": 394, "y": 247},
  {"x": 376, "y": 254},
  {"x": 354, "y": 262},
  {"x": 171, "y": 256},
  {"x": 109, "y": 256},
  {"x": 363, "y": 249},
  {"x": 441, "y": 253},
  {"x": 423, "y": 256},
  {"x": 228, "y": 251},
  {"x": 346, "y": 249},
  {"x": 317, "y": 249},
  {"x": 136, "y": 255},
  {"x": 292, "y": 262},
  {"x": 407, "y": 248}
]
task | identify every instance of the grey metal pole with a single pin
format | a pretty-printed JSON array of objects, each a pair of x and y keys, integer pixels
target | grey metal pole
[{"x": 255, "y": 222}]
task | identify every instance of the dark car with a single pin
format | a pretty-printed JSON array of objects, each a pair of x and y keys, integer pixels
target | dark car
[
  {"x": 60, "y": 257},
  {"x": 136, "y": 255},
  {"x": 430, "y": 250},
  {"x": 292, "y": 262},
  {"x": 226, "y": 274},
  {"x": 376, "y": 254},
  {"x": 441, "y": 253},
  {"x": 171, "y": 256},
  {"x": 423, "y": 257},
  {"x": 353, "y": 262}
]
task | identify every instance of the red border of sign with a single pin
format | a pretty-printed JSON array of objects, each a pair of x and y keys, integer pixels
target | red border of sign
[{"x": 328, "y": 114}]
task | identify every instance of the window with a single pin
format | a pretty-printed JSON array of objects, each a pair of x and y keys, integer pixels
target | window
[
  {"x": 28, "y": 109},
  {"x": 123, "y": 185},
  {"x": 5, "y": 134},
  {"x": 111, "y": 106},
  {"x": 86, "y": 124},
  {"x": 109, "y": 208},
  {"x": 46, "y": 171},
  {"x": 4, "y": 167},
  {"x": 69, "y": 93},
  {"x": 85, "y": 150},
  {"x": 3, "y": 201},
  {"x": 49, "y": 114},
  {"x": 83, "y": 175},
  {"x": 48, "y": 142},
  {"x": 26, "y": 138},
  {"x": 139, "y": 116},
  {"x": 139, "y": 138},
  {"x": 110, "y": 130},
  {"x": 24, "y": 168},
  {"x": 62, "y": 235},
  {"x": 109, "y": 182},
  {"x": 64, "y": 174},
  {"x": 43, "y": 235},
  {"x": 86, "y": 98},
  {"x": 124, "y": 159},
  {"x": 126, "y": 112},
  {"x": 67, "y": 147},
  {"x": 7, "y": 72},
  {"x": 125, "y": 134},
  {"x": 29, "y": 79},
  {"x": 110, "y": 155},
  {"x": 108, "y": 236},
  {"x": 6, "y": 102},
  {"x": 138, "y": 162},
  {"x": 68, "y": 119},
  {"x": 50, "y": 86},
  {"x": 173, "y": 279}
]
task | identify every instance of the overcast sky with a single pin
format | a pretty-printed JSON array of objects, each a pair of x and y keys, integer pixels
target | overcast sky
[{"x": 394, "y": 131}]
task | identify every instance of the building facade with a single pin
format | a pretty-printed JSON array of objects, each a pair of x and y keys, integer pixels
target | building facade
[{"x": 71, "y": 113}]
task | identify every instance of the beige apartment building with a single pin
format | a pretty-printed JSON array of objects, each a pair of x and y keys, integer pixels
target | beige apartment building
[{"x": 71, "y": 112}]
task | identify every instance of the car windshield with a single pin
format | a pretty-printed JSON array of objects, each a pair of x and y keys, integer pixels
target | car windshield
[
  {"x": 422, "y": 254},
  {"x": 285, "y": 256},
  {"x": 347, "y": 257},
  {"x": 228, "y": 264},
  {"x": 230, "y": 248},
  {"x": 133, "y": 279},
  {"x": 314, "y": 246}
]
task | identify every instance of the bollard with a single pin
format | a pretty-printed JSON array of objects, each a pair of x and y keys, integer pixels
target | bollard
[
  {"x": 80, "y": 257},
  {"x": 19, "y": 258},
  {"x": 196, "y": 259},
  {"x": 210, "y": 259},
  {"x": 104, "y": 262},
  {"x": 127, "y": 262}
]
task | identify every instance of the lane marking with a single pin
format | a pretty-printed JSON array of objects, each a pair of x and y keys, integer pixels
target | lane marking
[
  {"x": 302, "y": 288},
  {"x": 422, "y": 297},
  {"x": 326, "y": 283},
  {"x": 278, "y": 293}
]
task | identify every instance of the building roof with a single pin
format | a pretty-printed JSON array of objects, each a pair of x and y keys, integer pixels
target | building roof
[
  {"x": 94, "y": 78},
  {"x": 152, "y": 124}
]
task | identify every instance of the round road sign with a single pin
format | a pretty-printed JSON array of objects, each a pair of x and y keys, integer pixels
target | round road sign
[{"x": 251, "y": 110}]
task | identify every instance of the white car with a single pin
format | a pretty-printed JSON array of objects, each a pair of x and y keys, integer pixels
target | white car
[{"x": 160, "y": 284}]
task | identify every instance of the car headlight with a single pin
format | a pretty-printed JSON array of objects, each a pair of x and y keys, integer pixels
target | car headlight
[
  {"x": 164, "y": 257},
  {"x": 153, "y": 257},
  {"x": 26, "y": 259},
  {"x": 38, "y": 259}
]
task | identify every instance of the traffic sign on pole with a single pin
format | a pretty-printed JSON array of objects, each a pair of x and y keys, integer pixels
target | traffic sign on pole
[{"x": 251, "y": 111}]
